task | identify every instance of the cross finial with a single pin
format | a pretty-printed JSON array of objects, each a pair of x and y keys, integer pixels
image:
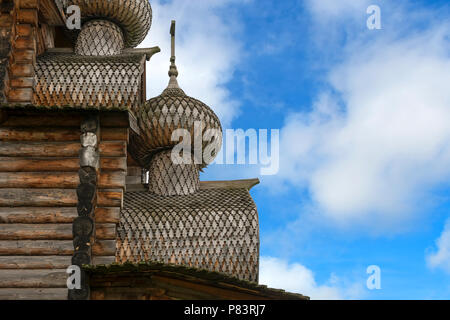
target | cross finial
[{"x": 173, "y": 72}]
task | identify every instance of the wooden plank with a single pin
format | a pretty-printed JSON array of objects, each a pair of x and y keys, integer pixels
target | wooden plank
[
  {"x": 35, "y": 262},
  {"x": 230, "y": 184},
  {"x": 27, "y": 16},
  {"x": 43, "y": 134},
  {"x": 21, "y": 70},
  {"x": 109, "y": 198},
  {"x": 24, "y": 82},
  {"x": 40, "y": 278},
  {"x": 65, "y": 180},
  {"x": 45, "y": 120},
  {"x": 25, "y": 43},
  {"x": 13, "y": 164},
  {"x": 36, "y": 247},
  {"x": 23, "y": 55},
  {"x": 20, "y": 94},
  {"x": 107, "y": 215},
  {"x": 33, "y": 294},
  {"x": 104, "y": 248},
  {"x": 114, "y": 134},
  {"x": 105, "y": 231},
  {"x": 36, "y": 231},
  {"x": 28, "y": 4},
  {"x": 44, "y": 215},
  {"x": 114, "y": 120},
  {"x": 39, "y": 198},
  {"x": 58, "y": 149}
]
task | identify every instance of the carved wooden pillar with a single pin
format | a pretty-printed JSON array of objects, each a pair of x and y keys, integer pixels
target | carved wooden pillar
[{"x": 84, "y": 224}]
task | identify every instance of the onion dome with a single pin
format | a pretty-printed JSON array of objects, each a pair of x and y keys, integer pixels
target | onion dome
[
  {"x": 133, "y": 17},
  {"x": 159, "y": 119}
]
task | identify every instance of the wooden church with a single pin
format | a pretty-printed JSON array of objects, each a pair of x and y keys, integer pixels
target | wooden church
[{"x": 86, "y": 170}]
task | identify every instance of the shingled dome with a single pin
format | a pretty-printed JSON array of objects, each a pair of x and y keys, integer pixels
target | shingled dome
[{"x": 134, "y": 17}]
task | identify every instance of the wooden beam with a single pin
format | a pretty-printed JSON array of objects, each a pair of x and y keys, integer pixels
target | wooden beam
[
  {"x": 52, "y": 247},
  {"x": 104, "y": 248},
  {"x": 43, "y": 120},
  {"x": 14, "y": 164},
  {"x": 34, "y": 262},
  {"x": 33, "y": 293},
  {"x": 43, "y": 134},
  {"x": 37, "y": 215},
  {"x": 230, "y": 184},
  {"x": 64, "y": 180},
  {"x": 110, "y": 198},
  {"x": 44, "y": 278},
  {"x": 36, "y": 247},
  {"x": 58, "y": 149},
  {"x": 51, "y": 231},
  {"x": 114, "y": 134},
  {"x": 38, "y": 198}
]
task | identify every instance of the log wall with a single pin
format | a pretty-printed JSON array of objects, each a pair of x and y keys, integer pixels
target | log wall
[{"x": 39, "y": 177}]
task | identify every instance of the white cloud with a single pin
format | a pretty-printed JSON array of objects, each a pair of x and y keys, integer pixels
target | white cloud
[
  {"x": 377, "y": 141},
  {"x": 326, "y": 9},
  {"x": 277, "y": 273},
  {"x": 207, "y": 50},
  {"x": 441, "y": 258}
]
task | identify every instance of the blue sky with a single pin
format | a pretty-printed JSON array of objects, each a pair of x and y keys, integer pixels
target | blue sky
[{"x": 364, "y": 133}]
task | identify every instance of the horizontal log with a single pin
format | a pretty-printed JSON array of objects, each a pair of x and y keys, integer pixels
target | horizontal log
[
  {"x": 41, "y": 215},
  {"x": 58, "y": 149},
  {"x": 22, "y": 70},
  {"x": 35, "y": 232},
  {"x": 43, "y": 134},
  {"x": 110, "y": 198},
  {"x": 12, "y": 164},
  {"x": 35, "y": 262},
  {"x": 38, "y": 198},
  {"x": 20, "y": 94},
  {"x": 39, "y": 180},
  {"x": 51, "y": 231},
  {"x": 24, "y": 82},
  {"x": 107, "y": 215},
  {"x": 27, "y": 16},
  {"x": 44, "y": 215},
  {"x": 44, "y": 120},
  {"x": 104, "y": 248},
  {"x": 114, "y": 134},
  {"x": 52, "y": 247},
  {"x": 33, "y": 293},
  {"x": 23, "y": 56},
  {"x": 114, "y": 120},
  {"x": 65, "y": 180},
  {"x": 36, "y": 247},
  {"x": 55, "y": 278}
]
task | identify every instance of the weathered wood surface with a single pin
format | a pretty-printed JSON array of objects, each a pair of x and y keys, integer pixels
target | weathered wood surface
[
  {"x": 110, "y": 198},
  {"x": 13, "y": 164},
  {"x": 114, "y": 134},
  {"x": 38, "y": 198},
  {"x": 104, "y": 248},
  {"x": 58, "y": 149},
  {"x": 57, "y": 180},
  {"x": 35, "y": 262},
  {"x": 52, "y": 247},
  {"x": 39, "y": 278},
  {"x": 37, "y": 215},
  {"x": 230, "y": 184},
  {"x": 33, "y": 294},
  {"x": 51, "y": 231},
  {"x": 106, "y": 260},
  {"x": 36, "y": 247},
  {"x": 43, "y": 134}
]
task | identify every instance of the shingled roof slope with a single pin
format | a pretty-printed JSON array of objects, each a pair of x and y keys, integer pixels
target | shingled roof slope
[{"x": 214, "y": 229}]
